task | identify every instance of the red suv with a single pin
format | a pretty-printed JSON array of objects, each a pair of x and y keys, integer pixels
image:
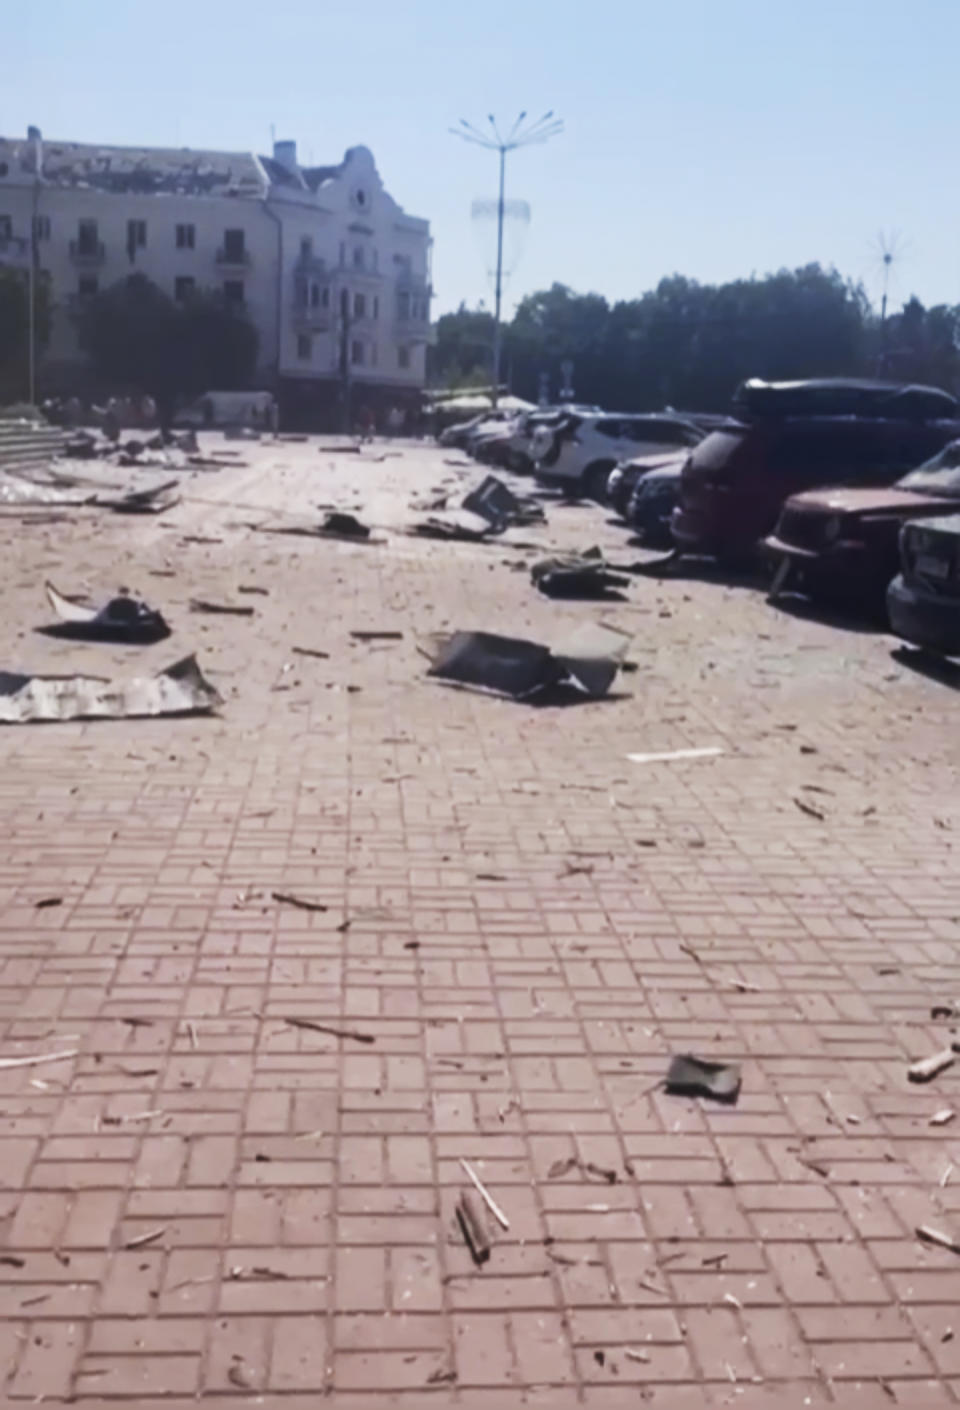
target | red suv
[{"x": 735, "y": 480}]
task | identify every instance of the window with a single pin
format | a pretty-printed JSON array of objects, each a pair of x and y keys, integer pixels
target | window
[
  {"x": 186, "y": 237},
  {"x": 87, "y": 237},
  {"x": 356, "y": 353},
  {"x": 314, "y": 295},
  {"x": 325, "y": 296},
  {"x": 373, "y": 355},
  {"x": 343, "y": 253},
  {"x": 6, "y": 227},
  {"x": 306, "y": 246},
  {"x": 301, "y": 293},
  {"x": 358, "y": 257},
  {"x": 376, "y": 306},
  {"x": 304, "y": 347},
  {"x": 136, "y": 236},
  {"x": 234, "y": 247},
  {"x": 403, "y": 304},
  {"x": 183, "y": 287},
  {"x": 4, "y": 168},
  {"x": 41, "y": 227},
  {"x": 403, "y": 357},
  {"x": 359, "y": 305},
  {"x": 233, "y": 291},
  {"x": 88, "y": 286}
]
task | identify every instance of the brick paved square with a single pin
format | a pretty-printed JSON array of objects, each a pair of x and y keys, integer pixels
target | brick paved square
[{"x": 206, "y": 1201}]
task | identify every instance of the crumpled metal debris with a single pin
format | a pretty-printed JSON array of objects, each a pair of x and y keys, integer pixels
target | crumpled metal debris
[
  {"x": 496, "y": 502},
  {"x": 122, "y": 618},
  {"x": 585, "y": 574},
  {"x": 181, "y": 689},
  {"x": 583, "y": 668},
  {"x": 489, "y": 508},
  {"x": 689, "y": 1076}
]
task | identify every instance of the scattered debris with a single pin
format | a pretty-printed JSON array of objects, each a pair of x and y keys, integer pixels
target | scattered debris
[
  {"x": 148, "y": 1238},
  {"x": 486, "y": 1196},
  {"x": 925, "y": 1069},
  {"x": 583, "y": 575},
  {"x": 46, "y": 902},
  {"x": 333, "y": 1032},
  {"x": 471, "y": 1226},
  {"x": 8, "y": 1062},
  {"x": 201, "y": 604},
  {"x": 156, "y": 500},
  {"x": 252, "y": 588},
  {"x": 285, "y": 898},
  {"x": 929, "y": 1235},
  {"x": 179, "y": 690},
  {"x": 583, "y": 668},
  {"x": 707, "y": 753},
  {"x": 689, "y": 1076},
  {"x": 122, "y": 619},
  {"x": 309, "y": 651},
  {"x": 496, "y": 502},
  {"x": 12, "y": 1260},
  {"x": 460, "y": 526},
  {"x": 344, "y": 525},
  {"x": 440, "y": 1377},
  {"x": 942, "y": 1117},
  {"x": 237, "y": 1375},
  {"x": 377, "y": 636},
  {"x": 809, "y": 809},
  {"x": 944, "y": 1011},
  {"x": 634, "y": 1355}
]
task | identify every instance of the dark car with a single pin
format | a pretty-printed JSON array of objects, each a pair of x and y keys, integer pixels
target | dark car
[
  {"x": 923, "y": 602},
  {"x": 842, "y": 396},
  {"x": 843, "y": 543},
  {"x": 626, "y": 476},
  {"x": 737, "y": 478},
  {"x": 653, "y": 502}
]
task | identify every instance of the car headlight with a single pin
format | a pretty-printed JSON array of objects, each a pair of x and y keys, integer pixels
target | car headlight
[{"x": 831, "y": 529}]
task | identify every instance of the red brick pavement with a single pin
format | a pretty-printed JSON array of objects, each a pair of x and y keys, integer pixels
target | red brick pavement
[{"x": 208, "y": 1201}]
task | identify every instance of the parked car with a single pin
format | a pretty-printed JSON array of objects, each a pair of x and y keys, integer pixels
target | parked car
[
  {"x": 579, "y": 453},
  {"x": 923, "y": 601},
  {"x": 625, "y": 477},
  {"x": 510, "y": 445},
  {"x": 736, "y": 479},
  {"x": 459, "y": 434},
  {"x": 843, "y": 543},
  {"x": 653, "y": 501},
  {"x": 842, "y": 396}
]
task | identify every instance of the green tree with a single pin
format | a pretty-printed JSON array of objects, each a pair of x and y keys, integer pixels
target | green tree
[
  {"x": 463, "y": 352},
  {"x": 140, "y": 340},
  {"x": 14, "y": 330}
]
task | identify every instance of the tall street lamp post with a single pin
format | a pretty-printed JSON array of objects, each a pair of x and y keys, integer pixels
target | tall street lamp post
[{"x": 522, "y": 134}]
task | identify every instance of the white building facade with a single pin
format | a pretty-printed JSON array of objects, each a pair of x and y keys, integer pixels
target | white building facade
[{"x": 332, "y": 272}]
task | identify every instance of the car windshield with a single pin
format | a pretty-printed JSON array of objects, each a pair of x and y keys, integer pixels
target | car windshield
[{"x": 941, "y": 475}]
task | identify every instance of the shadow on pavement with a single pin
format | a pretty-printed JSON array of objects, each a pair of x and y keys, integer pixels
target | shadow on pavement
[{"x": 925, "y": 663}]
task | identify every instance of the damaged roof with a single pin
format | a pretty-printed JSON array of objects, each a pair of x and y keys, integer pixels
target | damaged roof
[{"x": 143, "y": 170}]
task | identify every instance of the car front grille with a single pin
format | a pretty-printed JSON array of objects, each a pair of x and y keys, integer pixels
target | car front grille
[{"x": 802, "y": 529}]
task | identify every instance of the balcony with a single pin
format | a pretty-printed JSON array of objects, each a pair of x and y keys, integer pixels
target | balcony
[
  {"x": 232, "y": 257},
  {"x": 87, "y": 252},
  {"x": 413, "y": 330}
]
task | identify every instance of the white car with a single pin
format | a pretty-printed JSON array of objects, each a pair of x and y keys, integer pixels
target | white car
[{"x": 579, "y": 454}]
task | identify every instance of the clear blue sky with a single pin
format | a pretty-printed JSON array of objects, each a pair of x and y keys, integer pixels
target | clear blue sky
[{"x": 714, "y": 138}]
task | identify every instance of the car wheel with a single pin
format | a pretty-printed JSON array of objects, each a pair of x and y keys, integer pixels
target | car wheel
[{"x": 594, "y": 480}]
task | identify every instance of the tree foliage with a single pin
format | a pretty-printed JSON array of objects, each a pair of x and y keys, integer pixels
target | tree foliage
[
  {"x": 141, "y": 340},
  {"x": 687, "y": 344},
  {"x": 15, "y": 326}
]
